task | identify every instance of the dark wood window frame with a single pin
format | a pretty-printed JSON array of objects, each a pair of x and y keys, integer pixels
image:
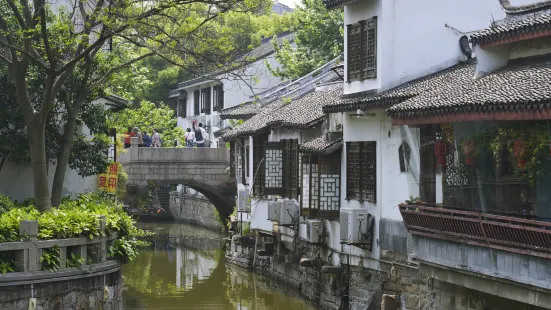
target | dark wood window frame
[
  {"x": 361, "y": 50},
  {"x": 182, "y": 107},
  {"x": 218, "y": 97},
  {"x": 233, "y": 160},
  {"x": 205, "y": 100},
  {"x": 197, "y": 102},
  {"x": 322, "y": 165},
  {"x": 289, "y": 164},
  {"x": 361, "y": 171},
  {"x": 259, "y": 150}
]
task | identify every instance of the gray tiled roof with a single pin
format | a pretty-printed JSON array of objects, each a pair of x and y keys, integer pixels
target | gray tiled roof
[
  {"x": 221, "y": 132},
  {"x": 333, "y": 4},
  {"x": 523, "y": 85},
  {"x": 509, "y": 31},
  {"x": 321, "y": 146},
  {"x": 256, "y": 123},
  {"x": 385, "y": 99},
  {"x": 525, "y": 8},
  {"x": 306, "y": 111},
  {"x": 242, "y": 111}
]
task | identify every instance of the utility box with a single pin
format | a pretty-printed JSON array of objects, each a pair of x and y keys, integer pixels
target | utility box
[
  {"x": 314, "y": 229},
  {"x": 274, "y": 211},
  {"x": 243, "y": 201},
  {"x": 356, "y": 226},
  {"x": 289, "y": 212}
]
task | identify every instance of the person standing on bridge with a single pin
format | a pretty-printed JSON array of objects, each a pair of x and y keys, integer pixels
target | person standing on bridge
[
  {"x": 128, "y": 138},
  {"x": 200, "y": 134},
  {"x": 139, "y": 135},
  {"x": 156, "y": 139},
  {"x": 190, "y": 136}
]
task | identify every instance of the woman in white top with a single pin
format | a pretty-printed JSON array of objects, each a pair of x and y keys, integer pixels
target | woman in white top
[
  {"x": 155, "y": 139},
  {"x": 190, "y": 138}
]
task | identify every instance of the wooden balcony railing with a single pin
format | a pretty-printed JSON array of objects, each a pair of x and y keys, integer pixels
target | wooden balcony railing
[{"x": 506, "y": 233}]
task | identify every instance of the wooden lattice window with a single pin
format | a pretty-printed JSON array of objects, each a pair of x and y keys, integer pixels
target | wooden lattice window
[
  {"x": 362, "y": 50},
  {"x": 274, "y": 168},
  {"x": 321, "y": 186},
  {"x": 205, "y": 100},
  {"x": 259, "y": 164},
  {"x": 361, "y": 171},
  {"x": 218, "y": 97},
  {"x": 290, "y": 168},
  {"x": 182, "y": 107},
  {"x": 282, "y": 168},
  {"x": 196, "y": 102}
]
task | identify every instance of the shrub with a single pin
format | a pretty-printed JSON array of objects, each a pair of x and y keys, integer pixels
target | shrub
[{"x": 78, "y": 218}]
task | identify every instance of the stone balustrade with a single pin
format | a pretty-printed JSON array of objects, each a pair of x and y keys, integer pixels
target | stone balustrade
[{"x": 92, "y": 254}]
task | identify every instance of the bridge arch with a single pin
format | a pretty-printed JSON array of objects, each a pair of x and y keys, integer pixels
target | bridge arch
[{"x": 205, "y": 170}]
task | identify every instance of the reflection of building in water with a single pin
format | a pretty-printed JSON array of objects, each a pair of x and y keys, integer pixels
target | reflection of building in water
[{"x": 196, "y": 267}]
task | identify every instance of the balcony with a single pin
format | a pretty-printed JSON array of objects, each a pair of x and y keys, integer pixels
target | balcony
[{"x": 528, "y": 237}]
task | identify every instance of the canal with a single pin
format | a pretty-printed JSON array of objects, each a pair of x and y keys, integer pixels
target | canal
[{"x": 184, "y": 269}]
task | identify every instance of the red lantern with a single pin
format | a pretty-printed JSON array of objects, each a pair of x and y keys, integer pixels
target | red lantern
[
  {"x": 470, "y": 161},
  {"x": 440, "y": 152},
  {"x": 518, "y": 150}
]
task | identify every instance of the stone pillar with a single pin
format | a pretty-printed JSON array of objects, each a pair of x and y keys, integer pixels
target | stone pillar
[
  {"x": 103, "y": 243},
  {"x": 28, "y": 259},
  {"x": 134, "y": 149}
]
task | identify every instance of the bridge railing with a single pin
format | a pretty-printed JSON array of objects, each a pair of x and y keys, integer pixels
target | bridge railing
[{"x": 174, "y": 154}]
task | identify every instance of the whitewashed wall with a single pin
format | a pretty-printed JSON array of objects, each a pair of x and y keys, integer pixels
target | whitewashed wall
[
  {"x": 16, "y": 179},
  {"x": 412, "y": 37}
]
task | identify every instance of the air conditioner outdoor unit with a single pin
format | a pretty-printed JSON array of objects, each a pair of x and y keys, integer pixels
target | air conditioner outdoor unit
[
  {"x": 356, "y": 225},
  {"x": 243, "y": 201},
  {"x": 314, "y": 229},
  {"x": 289, "y": 212},
  {"x": 274, "y": 211}
]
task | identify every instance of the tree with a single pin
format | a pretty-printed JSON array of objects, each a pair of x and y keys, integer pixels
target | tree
[
  {"x": 319, "y": 38},
  {"x": 148, "y": 116},
  {"x": 89, "y": 156},
  {"x": 47, "y": 47}
]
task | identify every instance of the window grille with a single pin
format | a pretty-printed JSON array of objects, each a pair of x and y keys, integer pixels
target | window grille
[
  {"x": 196, "y": 102},
  {"x": 321, "y": 186},
  {"x": 274, "y": 168},
  {"x": 259, "y": 164},
  {"x": 232, "y": 160},
  {"x": 361, "y": 173},
  {"x": 362, "y": 50},
  {"x": 240, "y": 164},
  {"x": 182, "y": 107},
  {"x": 282, "y": 168},
  {"x": 218, "y": 97},
  {"x": 205, "y": 100}
]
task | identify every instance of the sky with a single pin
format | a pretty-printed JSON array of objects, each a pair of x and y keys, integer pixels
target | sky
[{"x": 289, "y": 3}]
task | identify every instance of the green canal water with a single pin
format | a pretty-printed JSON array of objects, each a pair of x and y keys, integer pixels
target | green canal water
[{"x": 184, "y": 269}]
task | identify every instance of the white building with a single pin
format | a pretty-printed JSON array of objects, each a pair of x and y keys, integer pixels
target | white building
[
  {"x": 202, "y": 98},
  {"x": 16, "y": 179}
]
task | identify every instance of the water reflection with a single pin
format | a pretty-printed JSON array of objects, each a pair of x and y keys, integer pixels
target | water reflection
[{"x": 184, "y": 269}]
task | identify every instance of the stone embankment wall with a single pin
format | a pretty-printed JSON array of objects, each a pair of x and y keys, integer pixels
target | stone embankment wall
[
  {"x": 195, "y": 210},
  {"x": 90, "y": 293},
  {"x": 394, "y": 285}
]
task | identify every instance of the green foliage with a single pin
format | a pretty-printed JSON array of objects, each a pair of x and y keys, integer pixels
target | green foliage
[
  {"x": 77, "y": 218},
  {"x": 7, "y": 262},
  {"x": 125, "y": 249},
  {"x": 74, "y": 260},
  {"x": 6, "y": 203},
  {"x": 148, "y": 117},
  {"x": 319, "y": 38},
  {"x": 50, "y": 259}
]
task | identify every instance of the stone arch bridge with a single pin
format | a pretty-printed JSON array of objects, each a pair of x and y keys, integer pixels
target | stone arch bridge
[{"x": 202, "y": 169}]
